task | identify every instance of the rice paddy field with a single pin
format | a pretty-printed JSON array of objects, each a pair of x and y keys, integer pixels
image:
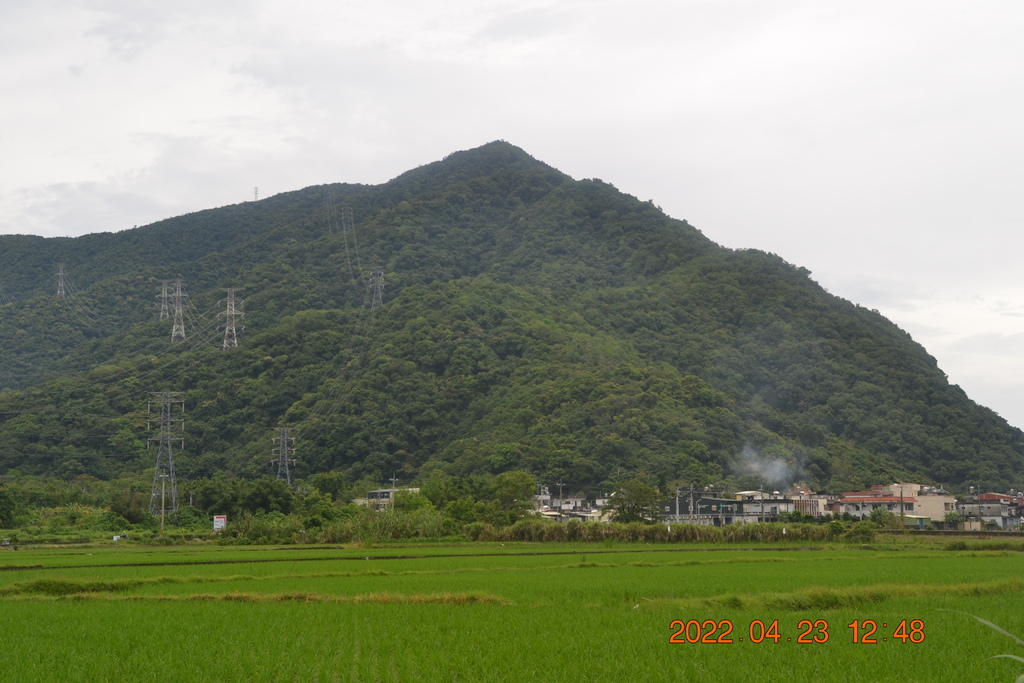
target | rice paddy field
[{"x": 512, "y": 612}]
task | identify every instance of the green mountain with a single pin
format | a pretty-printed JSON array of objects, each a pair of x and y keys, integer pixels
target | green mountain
[{"x": 529, "y": 321}]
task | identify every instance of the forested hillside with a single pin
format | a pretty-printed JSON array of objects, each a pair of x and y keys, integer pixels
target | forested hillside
[{"x": 530, "y": 321}]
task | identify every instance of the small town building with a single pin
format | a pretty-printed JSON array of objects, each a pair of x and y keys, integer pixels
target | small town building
[
  {"x": 746, "y": 507},
  {"x": 992, "y": 509},
  {"x": 861, "y": 504}
]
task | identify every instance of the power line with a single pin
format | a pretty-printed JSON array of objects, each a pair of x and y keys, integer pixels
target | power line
[
  {"x": 202, "y": 336},
  {"x": 329, "y": 209},
  {"x": 348, "y": 227},
  {"x": 347, "y": 231},
  {"x": 68, "y": 293},
  {"x": 347, "y": 224}
]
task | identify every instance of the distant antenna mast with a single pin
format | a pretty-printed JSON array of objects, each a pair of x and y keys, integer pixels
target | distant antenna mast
[
  {"x": 178, "y": 301},
  {"x": 165, "y": 484},
  {"x": 61, "y": 281},
  {"x": 255, "y": 194},
  {"x": 284, "y": 449},
  {"x": 231, "y": 315},
  {"x": 164, "y": 297}
]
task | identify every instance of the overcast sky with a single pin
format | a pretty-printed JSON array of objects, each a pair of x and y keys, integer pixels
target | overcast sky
[{"x": 876, "y": 142}]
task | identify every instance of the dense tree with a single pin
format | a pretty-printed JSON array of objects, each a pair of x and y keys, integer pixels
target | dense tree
[
  {"x": 130, "y": 504},
  {"x": 532, "y": 323},
  {"x": 635, "y": 501},
  {"x": 8, "y": 507},
  {"x": 514, "y": 491}
]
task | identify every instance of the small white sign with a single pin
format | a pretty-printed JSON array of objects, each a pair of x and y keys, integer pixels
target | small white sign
[{"x": 219, "y": 522}]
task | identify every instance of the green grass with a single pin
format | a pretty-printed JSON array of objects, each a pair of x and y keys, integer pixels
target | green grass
[{"x": 449, "y": 613}]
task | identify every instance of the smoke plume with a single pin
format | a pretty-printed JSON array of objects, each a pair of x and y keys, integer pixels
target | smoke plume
[{"x": 773, "y": 470}]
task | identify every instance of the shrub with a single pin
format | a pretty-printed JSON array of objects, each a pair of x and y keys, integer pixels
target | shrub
[{"x": 862, "y": 532}]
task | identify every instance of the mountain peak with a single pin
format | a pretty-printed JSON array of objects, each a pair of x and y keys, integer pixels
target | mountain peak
[{"x": 492, "y": 158}]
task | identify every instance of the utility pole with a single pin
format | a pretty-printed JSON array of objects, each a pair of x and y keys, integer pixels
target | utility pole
[
  {"x": 561, "y": 500},
  {"x": 167, "y": 439},
  {"x": 691, "y": 512},
  {"x": 178, "y": 301},
  {"x": 163, "y": 501},
  {"x": 284, "y": 450},
  {"x": 164, "y": 296},
  {"x": 231, "y": 315},
  {"x": 394, "y": 489},
  {"x": 694, "y": 513},
  {"x": 903, "y": 517},
  {"x": 61, "y": 280}
]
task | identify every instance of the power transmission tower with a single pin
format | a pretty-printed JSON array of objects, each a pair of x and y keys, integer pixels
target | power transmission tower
[
  {"x": 164, "y": 297},
  {"x": 347, "y": 224},
  {"x": 178, "y": 299},
  {"x": 164, "y": 482},
  {"x": 255, "y": 194},
  {"x": 61, "y": 281},
  {"x": 375, "y": 288},
  {"x": 231, "y": 315},
  {"x": 284, "y": 449}
]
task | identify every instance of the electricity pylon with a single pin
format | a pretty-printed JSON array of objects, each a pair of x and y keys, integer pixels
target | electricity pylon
[
  {"x": 178, "y": 299},
  {"x": 164, "y": 482},
  {"x": 231, "y": 315},
  {"x": 284, "y": 449},
  {"x": 164, "y": 296},
  {"x": 61, "y": 290},
  {"x": 375, "y": 288}
]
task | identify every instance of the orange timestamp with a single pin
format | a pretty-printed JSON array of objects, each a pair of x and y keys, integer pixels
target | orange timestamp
[{"x": 808, "y": 631}]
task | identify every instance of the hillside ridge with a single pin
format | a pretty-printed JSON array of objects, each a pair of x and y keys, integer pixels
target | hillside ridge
[{"x": 530, "y": 321}]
